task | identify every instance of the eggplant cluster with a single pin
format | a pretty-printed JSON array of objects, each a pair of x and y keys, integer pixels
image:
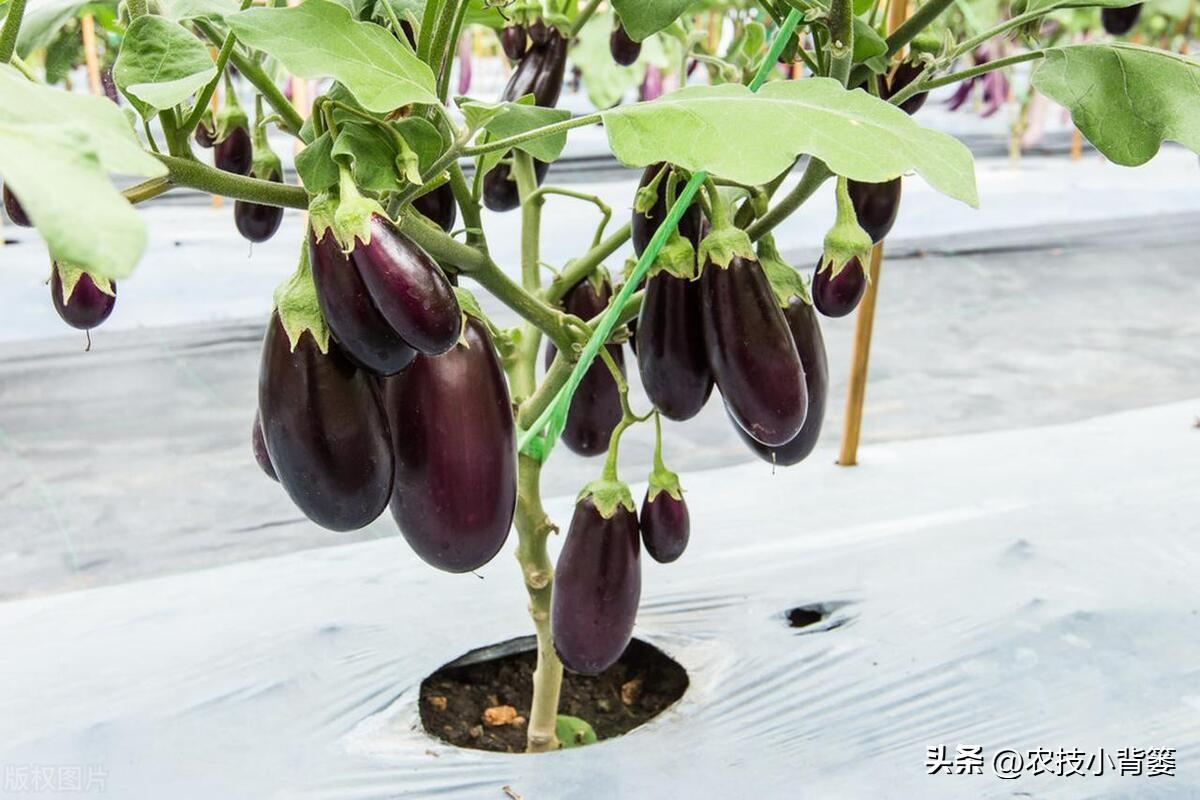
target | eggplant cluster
[
  {"x": 540, "y": 73},
  {"x": 404, "y": 406}
]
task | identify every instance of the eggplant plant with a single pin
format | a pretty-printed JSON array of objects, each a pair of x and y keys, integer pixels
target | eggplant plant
[{"x": 384, "y": 385}]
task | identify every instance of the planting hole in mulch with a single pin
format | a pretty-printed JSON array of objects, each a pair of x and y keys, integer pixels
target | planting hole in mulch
[
  {"x": 481, "y": 700},
  {"x": 803, "y": 616}
]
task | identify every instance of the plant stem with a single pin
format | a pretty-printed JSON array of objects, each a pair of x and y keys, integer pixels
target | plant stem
[
  {"x": 147, "y": 190},
  {"x": 191, "y": 173},
  {"x": 581, "y": 267},
  {"x": 536, "y": 133},
  {"x": 918, "y": 86},
  {"x": 583, "y": 17},
  {"x": 841, "y": 39},
  {"x": 469, "y": 206},
  {"x": 603, "y": 207},
  {"x": 137, "y": 8},
  {"x": 259, "y": 79},
  {"x": 918, "y": 22},
  {"x": 451, "y": 50},
  {"x": 12, "y": 27},
  {"x": 206, "y": 93},
  {"x": 814, "y": 175}
]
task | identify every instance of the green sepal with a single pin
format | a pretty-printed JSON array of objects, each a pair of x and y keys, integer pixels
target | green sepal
[
  {"x": 926, "y": 41},
  {"x": 723, "y": 244},
  {"x": 785, "y": 281},
  {"x": 647, "y": 196},
  {"x": 663, "y": 480},
  {"x": 230, "y": 117},
  {"x": 70, "y": 274},
  {"x": 352, "y": 218},
  {"x": 320, "y": 214},
  {"x": 297, "y": 306},
  {"x": 408, "y": 163},
  {"x": 677, "y": 257},
  {"x": 470, "y": 308},
  {"x": 573, "y": 732},
  {"x": 846, "y": 240},
  {"x": 607, "y": 495},
  {"x": 627, "y": 270},
  {"x": 598, "y": 276},
  {"x": 266, "y": 164}
]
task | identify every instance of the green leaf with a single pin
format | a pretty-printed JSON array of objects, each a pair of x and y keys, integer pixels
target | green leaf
[
  {"x": 605, "y": 80},
  {"x": 519, "y": 117},
  {"x": 214, "y": 10},
  {"x": 573, "y": 732},
  {"x": 316, "y": 166},
  {"x": 161, "y": 64},
  {"x": 1124, "y": 98},
  {"x": 56, "y": 150},
  {"x": 868, "y": 44},
  {"x": 320, "y": 39},
  {"x": 750, "y": 138},
  {"x": 43, "y": 21},
  {"x": 644, "y": 17},
  {"x": 371, "y": 155}
]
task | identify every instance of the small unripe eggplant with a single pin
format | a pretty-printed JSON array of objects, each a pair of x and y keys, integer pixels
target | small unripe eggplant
[
  {"x": 454, "y": 441},
  {"x": 644, "y": 226},
  {"x": 260, "y": 449},
  {"x": 15, "y": 212},
  {"x": 351, "y": 314},
  {"x": 624, "y": 50},
  {"x": 539, "y": 32},
  {"x": 666, "y": 524},
  {"x": 810, "y": 346},
  {"x": 439, "y": 206},
  {"x": 671, "y": 355},
  {"x": 597, "y": 587},
  {"x": 751, "y": 352},
  {"x": 205, "y": 136},
  {"x": 1119, "y": 21},
  {"x": 234, "y": 153},
  {"x": 514, "y": 41},
  {"x": 905, "y": 74},
  {"x": 875, "y": 206},
  {"x": 408, "y": 287},
  {"x": 257, "y": 222},
  {"x": 325, "y": 431},
  {"x": 500, "y": 191},
  {"x": 85, "y": 305},
  {"x": 838, "y": 296},
  {"x": 596, "y": 406}
]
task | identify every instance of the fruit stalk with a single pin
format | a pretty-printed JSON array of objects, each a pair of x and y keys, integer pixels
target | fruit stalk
[{"x": 12, "y": 26}]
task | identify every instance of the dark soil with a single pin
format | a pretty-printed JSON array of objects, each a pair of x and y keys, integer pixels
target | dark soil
[{"x": 454, "y": 699}]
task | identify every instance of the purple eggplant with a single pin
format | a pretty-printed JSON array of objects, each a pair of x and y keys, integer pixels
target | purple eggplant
[
  {"x": 351, "y": 314},
  {"x": 454, "y": 441},
  {"x": 257, "y": 222},
  {"x": 234, "y": 153},
  {"x": 260, "y": 449},
  {"x": 671, "y": 355},
  {"x": 439, "y": 206},
  {"x": 666, "y": 525},
  {"x": 597, "y": 586},
  {"x": 500, "y": 192},
  {"x": 325, "y": 431},
  {"x": 15, "y": 212},
  {"x": 751, "y": 352},
  {"x": 875, "y": 206},
  {"x": 596, "y": 407},
  {"x": 205, "y": 136},
  {"x": 1119, "y": 21},
  {"x": 514, "y": 41},
  {"x": 644, "y": 226},
  {"x": 838, "y": 296},
  {"x": 810, "y": 346},
  {"x": 624, "y": 50},
  {"x": 539, "y": 32},
  {"x": 905, "y": 74},
  {"x": 87, "y": 307},
  {"x": 408, "y": 288}
]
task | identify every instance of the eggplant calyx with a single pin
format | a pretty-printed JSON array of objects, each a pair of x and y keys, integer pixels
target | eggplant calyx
[
  {"x": 469, "y": 307},
  {"x": 846, "y": 240},
  {"x": 352, "y": 217},
  {"x": 648, "y": 196},
  {"x": 607, "y": 495},
  {"x": 229, "y": 119},
  {"x": 266, "y": 165},
  {"x": 297, "y": 306},
  {"x": 725, "y": 243},
  {"x": 70, "y": 275},
  {"x": 320, "y": 215},
  {"x": 784, "y": 279},
  {"x": 663, "y": 480},
  {"x": 677, "y": 257}
]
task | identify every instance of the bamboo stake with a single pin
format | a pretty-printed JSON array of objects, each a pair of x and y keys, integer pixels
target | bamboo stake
[
  {"x": 864, "y": 323},
  {"x": 88, "y": 28},
  {"x": 217, "y": 200},
  {"x": 1076, "y": 144}
]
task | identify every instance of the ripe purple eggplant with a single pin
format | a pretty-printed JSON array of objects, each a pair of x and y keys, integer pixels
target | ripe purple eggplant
[
  {"x": 905, "y": 74},
  {"x": 1119, "y": 21},
  {"x": 624, "y": 50},
  {"x": 235, "y": 152},
  {"x": 257, "y": 222},
  {"x": 259, "y": 444},
  {"x": 666, "y": 524},
  {"x": 597, "y": 586},
  {"x": 439, "y": 206},
  {"x": 351, "y": 314},
  {"x": 325, "y": 431},
  {"x": 539, "y": 32},
  {"x": 751, "y": 352},
  {"x": 86, "y": 305},
  {"x": 875, "y": 206},
  {"x": 810, "y": 346},
  {"x": 408, "y": 288},
  {"x": 596, "y": 407},
  {"x": 15, "y": 212},
  {"x": 454, "y": 441},
  {"x": 644, "y": 226},
  {"x": 514, "y": 41},
  {"x": 838, "y": 296},
  {"x": 540, "y": 73},
  {"x": 671, "y": 355}
]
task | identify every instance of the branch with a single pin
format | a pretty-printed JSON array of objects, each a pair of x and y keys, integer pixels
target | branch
[
  {"x": 814, "y": 175},
  {"x": 260, "y": 80},
  {"x": 206, "y": 93},
  {"x": 536, "y": 133},
  {"x": 918, "y": 86},
  {"x": 12, "y": 27},
  {"x": 580, "y": 268},
  {"x": 918, "y": 22},
  {"x": 191, "y": 173}
]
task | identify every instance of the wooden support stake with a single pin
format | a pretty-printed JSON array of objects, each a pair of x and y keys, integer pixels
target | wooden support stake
[
  {"x": 215, "y": 104},
  {"x": 1076, "y": 144},
  {"x": 87, "y": 27},
  {"x": 860, "y": 356}
]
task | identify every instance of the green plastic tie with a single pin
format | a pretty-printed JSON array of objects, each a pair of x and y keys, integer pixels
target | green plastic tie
[{"x": 533, "y": 442}]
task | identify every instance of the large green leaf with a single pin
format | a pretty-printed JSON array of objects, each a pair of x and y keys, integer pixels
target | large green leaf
[
  {"x": 56, "y": 150},
  {"x": 43, "y": 20},
  {"x": 161, "y": 64},
  {"x": 642, "y": 18},
  {"x": 518, "y": 117},
  {"x": 1124, "y": 98},
  {"x": 320, "y": 39},
  {"x": 751, "y": 138},
  {"x": 214, "y": 10}
]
